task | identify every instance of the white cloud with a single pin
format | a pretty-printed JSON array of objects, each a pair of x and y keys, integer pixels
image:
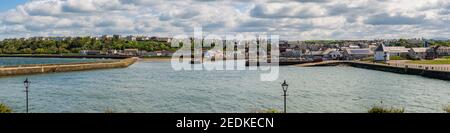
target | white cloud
[{"x": 294, "y": 19}]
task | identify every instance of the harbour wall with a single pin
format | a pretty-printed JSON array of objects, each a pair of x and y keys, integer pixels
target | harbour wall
[
  {"x": 69, "y": 56},
  {"x": 401, "y": 69},
  {"x": 67, "y": 67}
]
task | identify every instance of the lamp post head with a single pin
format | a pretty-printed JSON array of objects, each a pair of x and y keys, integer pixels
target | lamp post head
[
  {"x": 26, "y": 83},
  {"x": 284, "y": 86}
]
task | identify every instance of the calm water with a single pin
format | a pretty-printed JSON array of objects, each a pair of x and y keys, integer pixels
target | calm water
[
  {"x": 13, "y": 61},
  {"x": 155, "y": 87}
]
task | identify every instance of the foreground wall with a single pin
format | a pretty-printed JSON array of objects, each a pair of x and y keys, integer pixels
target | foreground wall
[
  {"x": 437, "y": 74},
  {"x": 444, "y": 75},
  {"x": 51, "y": 68}
]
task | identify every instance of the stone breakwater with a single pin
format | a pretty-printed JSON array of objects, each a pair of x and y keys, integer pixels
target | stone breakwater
[
  {"x": 67, "y": 67},
  {"x": 437, "y": 72}
]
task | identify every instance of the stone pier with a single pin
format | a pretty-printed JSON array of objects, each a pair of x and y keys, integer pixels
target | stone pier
[{"x": 67, "y": 67}]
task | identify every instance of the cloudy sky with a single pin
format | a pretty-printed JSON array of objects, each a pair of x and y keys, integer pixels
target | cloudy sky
[{"x": 291, "y": 19}]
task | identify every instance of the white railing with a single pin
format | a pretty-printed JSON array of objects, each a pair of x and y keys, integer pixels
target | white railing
[
  {"x": 420, "y": 66},
  {"x": 414, "y": 66}
]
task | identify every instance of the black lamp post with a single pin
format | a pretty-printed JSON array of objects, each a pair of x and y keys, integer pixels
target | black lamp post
[
  {"x": 285, "y": 87},
  {"x": 26, "y": 83}
]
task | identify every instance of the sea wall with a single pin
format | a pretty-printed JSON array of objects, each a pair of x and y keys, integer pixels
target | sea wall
[
  {"x": 437, "y": 73},
  {"x": 444, "y": 75},
  {"x": 52, "y": 68}
]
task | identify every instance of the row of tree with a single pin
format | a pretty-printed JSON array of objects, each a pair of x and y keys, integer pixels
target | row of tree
[
  {"x": 29, "y": 46},
  {"x": 404, "y": 42}
]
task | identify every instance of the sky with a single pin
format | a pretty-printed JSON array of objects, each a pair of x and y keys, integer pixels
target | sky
[
  {"x": 10, "y": 4},
  {"x": 290, "y": 19}
]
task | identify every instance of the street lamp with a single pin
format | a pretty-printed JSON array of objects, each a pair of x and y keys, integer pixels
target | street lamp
[
  {"x": 285, "y": 87},
  {"x": 26, "y": 83}
]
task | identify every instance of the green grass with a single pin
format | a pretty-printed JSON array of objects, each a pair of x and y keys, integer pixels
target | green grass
[
  {"x": 397, "y": 58},
  {"x": 430, "y": 62},
  {"x": 368, "y": 59},
  {"x": 5, "y": 109},
  {"x": 446, "y": 57},
  {"x": 381, "y": 109}
]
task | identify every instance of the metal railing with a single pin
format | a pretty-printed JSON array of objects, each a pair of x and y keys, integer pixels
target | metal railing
[{"x": 414, "y": 66}]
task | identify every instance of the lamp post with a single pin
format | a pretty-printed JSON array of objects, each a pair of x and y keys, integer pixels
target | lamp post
[
  {"x": 285, "y": 87},
  {"x": 26, "y": 83}
]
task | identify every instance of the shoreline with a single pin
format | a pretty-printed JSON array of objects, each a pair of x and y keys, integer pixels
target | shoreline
[{"x": 162, "y": 59}]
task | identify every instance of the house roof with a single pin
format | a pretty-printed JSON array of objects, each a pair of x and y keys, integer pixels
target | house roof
[
  {"x": 443, "y": 48},
  {"x": 316, "y": 52},
  {"x": 381, "y": 48},
  {"x": 359, "y": 51},
  {"x": 328, "y": 51},
  {"x": 419, "y": 50},
  {"x": 398, "y": 49}
]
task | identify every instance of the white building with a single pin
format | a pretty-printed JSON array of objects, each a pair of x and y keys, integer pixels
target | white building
[
  {"x": 332, "y": 54},
  {"x": 398, "y": 51},
  {"x": 382, "y": 53},
  {"x": 292, "y": 53},
  {"x": 354, "y": 54}
]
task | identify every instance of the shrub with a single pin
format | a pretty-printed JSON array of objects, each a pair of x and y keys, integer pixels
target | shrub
[
  {"x": 27, "y": 51},
  {"x": 447, "y": 109},
  {"x": 270, "y": 111},
  {"x": 381, "y": 109},
  {"x": 5, "y": 109},
  {"x": 109, "y": 111}
]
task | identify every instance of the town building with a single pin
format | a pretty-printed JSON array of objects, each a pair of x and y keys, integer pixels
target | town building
[
  {"x": 398, "y": 51},
  {"x": 89, "y": 52},
  {"x": 332, "y": 54},
  {"x": 292, "y": 53},
  {"x": 131, "y": 52},
  {"x": 418, "y": 53},
  {"x": 160, "y": 53},
  {"x": 354, "y": 54},
  {"x": 443, "y": 51},
  {"x": 131, "y": 38},
  {"x": 381, "y": 53}
]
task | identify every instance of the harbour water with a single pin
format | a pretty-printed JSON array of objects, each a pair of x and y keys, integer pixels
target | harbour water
[{"x": 156, "y": 87}]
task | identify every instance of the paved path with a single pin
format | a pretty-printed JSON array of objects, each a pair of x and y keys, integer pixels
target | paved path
[{"x": 397, "y": 63}]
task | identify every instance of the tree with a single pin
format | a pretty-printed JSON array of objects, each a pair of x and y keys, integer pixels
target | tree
[
  {"x": 27, "y": 51},
  {"x": 40, "y": 51}
]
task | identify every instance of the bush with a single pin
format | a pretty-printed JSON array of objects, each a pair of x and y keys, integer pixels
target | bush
[
  {"x": 40, "y": 51},
  {"x": 5, "y": 109},
  {"x": 109, "y": 111},
  {"x": 381, "y": 109},
  {"x": 270, "y": 111},
  {"x": 447, "y": 109},
  {"x": 27, "y": 51}
]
